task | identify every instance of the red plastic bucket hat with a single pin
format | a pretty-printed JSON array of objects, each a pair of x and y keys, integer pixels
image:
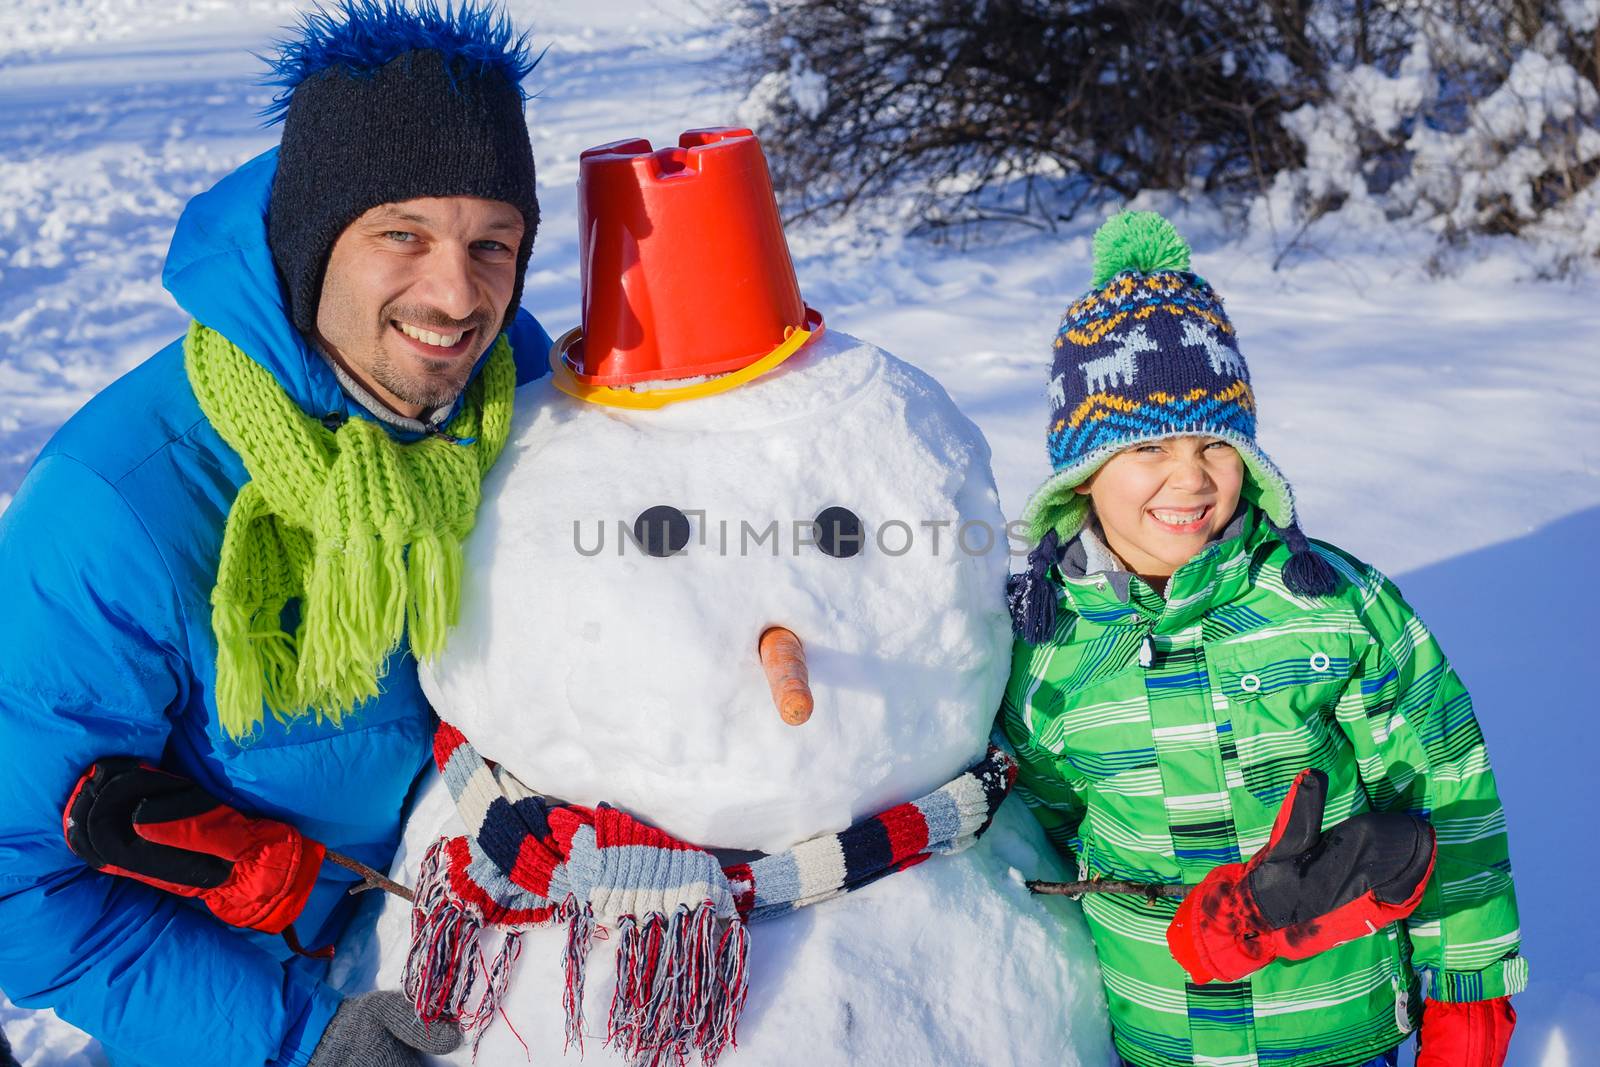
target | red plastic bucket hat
[{"x": 685, "y": 270}]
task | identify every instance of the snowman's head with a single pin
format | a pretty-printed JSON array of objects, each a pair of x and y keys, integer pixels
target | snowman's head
[{"x": 842, "y": 498}]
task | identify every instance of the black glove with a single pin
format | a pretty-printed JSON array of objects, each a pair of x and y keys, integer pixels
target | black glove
[
  {"x": 381, "y": 1029},
  {"x": 1305, "y": 891},
  {"x": 6, "y": 1058},
  {"x": 1312, "y": 874},
  {"x": 127, "y": 818}
]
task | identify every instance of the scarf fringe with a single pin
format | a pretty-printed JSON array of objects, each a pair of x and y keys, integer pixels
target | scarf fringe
[
  {"x": 446, "y": 956},
  {"x": 239, "y": 687},
  {"x": 580, "y": 935},
  {"x": 680, "y": 987},
  {"x": 256, "y": 665},
  {"x": 352, "y": 618},
  {"x": 720, "y": 1031},
  {"x": 475, "y": 1022},
  {"x": 445, "y": 932},
  {"x": 434, "y": 578}
]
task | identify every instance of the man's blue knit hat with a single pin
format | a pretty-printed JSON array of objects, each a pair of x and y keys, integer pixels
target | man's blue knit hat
[{"x": 1148, "y": 353}]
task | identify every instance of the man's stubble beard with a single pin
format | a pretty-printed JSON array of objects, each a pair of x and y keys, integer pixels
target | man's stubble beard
[{"x": 425, "y": 389}]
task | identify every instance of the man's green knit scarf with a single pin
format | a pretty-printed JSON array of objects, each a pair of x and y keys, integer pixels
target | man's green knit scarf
[{"x": 362, "y": 531}]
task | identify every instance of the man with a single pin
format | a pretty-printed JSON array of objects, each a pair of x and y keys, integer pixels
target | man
[{"x": 224, "y": 567}]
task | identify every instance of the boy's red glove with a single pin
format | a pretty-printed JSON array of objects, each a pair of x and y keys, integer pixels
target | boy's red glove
[
  {"x": 1472, "y": 1034},
  {"x": 131, "y": 819},
  {"x": 1305, "y": 891}
]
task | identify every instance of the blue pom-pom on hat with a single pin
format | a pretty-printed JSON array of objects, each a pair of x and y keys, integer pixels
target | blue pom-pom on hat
[{"x": 358, "y": 37}]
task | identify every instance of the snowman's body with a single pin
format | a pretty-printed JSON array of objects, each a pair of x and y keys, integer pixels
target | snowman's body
[{"x": 597, "y": 672}]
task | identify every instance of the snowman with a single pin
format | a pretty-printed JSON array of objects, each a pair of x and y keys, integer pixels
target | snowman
[{"x": 742, "y": 578}]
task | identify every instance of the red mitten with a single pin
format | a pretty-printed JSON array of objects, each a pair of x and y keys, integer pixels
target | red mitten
[
  {"x": 1305, "y": 891},
  {"x": 131, "y": 819},
  {"x": 1472, "y": 1034}
]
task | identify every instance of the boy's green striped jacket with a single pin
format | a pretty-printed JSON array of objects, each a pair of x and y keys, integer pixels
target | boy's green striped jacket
[{"x": 1157, "y": 738}]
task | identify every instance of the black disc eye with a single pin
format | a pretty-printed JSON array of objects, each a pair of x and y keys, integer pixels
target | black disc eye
[
  {"x": 838, "y": 532},
  {"x": 662, "y": 530}
]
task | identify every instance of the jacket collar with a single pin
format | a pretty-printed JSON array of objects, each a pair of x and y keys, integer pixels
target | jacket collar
[
  {"x": 1099, "y": 588},
  {"x": 1088, "y": 554}
]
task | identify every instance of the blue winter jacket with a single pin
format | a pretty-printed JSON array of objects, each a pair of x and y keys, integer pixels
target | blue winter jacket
[{"x": 108, "y": 554}]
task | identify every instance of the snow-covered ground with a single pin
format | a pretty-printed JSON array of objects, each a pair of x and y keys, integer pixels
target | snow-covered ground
[{"x": 1446, "y": 430}]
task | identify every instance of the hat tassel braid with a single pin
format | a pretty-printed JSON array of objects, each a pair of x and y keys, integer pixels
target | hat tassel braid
[
  {"x": 1306, "y": 573},
  {"x": 1032, "y": 596}
]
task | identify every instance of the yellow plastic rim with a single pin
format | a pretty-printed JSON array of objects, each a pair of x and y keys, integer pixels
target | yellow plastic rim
[{"x": 794, "y": 339}]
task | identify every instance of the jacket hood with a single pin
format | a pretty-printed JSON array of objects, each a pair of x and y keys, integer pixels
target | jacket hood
[{"x": 220, "y": 270}]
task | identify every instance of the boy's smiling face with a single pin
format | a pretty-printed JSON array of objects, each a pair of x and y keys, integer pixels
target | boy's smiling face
[{"x": 1160, "y": 502}]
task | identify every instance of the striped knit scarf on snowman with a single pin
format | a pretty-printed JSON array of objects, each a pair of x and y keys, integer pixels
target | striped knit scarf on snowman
[{"x": 679, "y": 916}]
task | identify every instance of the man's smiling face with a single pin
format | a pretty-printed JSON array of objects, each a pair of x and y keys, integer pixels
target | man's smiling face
[{"x": 415, "y": 292}]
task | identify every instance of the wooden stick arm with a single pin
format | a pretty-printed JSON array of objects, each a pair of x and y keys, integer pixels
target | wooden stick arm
[
  {"x": 1151, "y": 890},
  {"x": 370, "y": 879}
]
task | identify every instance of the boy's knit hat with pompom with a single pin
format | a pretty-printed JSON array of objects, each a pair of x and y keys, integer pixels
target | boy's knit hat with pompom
[
  {"x": 384, "y": 102},
  {"x": 1148, "y": 353}
]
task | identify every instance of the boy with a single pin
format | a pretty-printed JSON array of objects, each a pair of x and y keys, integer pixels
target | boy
[{"x": 1186, "y": 654}]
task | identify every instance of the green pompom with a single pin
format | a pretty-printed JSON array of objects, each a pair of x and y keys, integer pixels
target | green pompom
[{"x": 1137, "y": 240}]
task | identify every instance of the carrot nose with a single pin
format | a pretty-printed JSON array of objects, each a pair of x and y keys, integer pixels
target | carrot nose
[{"x": 784, "y": 660}]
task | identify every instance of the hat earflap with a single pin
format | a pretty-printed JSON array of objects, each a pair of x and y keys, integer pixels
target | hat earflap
[
  {"x": 1306, "y": 573},
  {"x": 1032, "y": 596}
]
